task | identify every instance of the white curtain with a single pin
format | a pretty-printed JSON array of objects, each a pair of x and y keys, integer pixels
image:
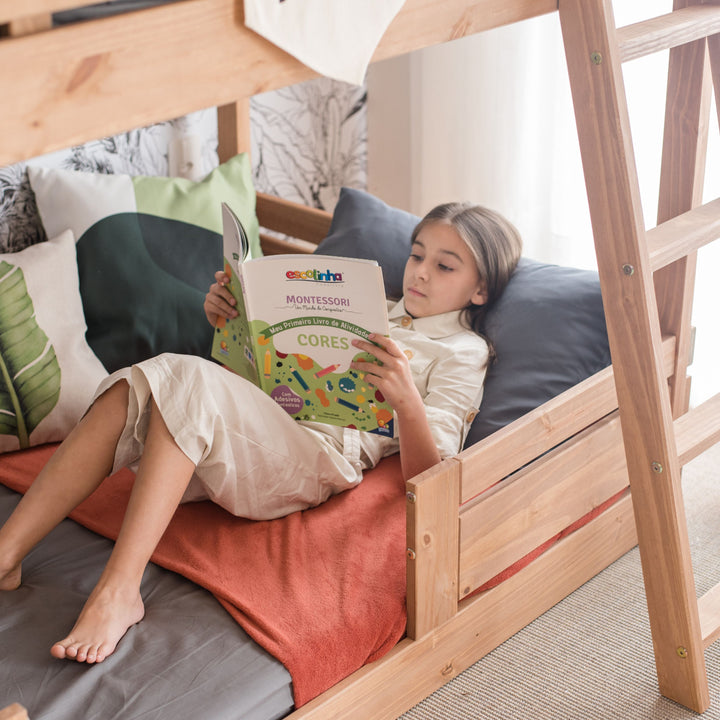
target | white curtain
[{"x": 490, "y": 119}]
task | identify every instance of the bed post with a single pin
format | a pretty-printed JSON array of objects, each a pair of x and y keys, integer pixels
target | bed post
[
  {"x": 233, "y": 129},
  {"x": 681, "y": 189},
  {"x": 433, "y": 500}
]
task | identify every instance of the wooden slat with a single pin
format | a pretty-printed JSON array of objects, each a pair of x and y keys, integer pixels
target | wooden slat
[
  {"x": 667, "y": 31},
  {"x": 524, "y": 511},
  {"x": 432, "y": 541},
  {"x": 101, "y": 77},
  {"x": 281, "y": 245},
  {"x": 698, "y": 429},
  {"x": 709, "y": 605},
  {"x": 684, "y": 234},
  {"x": 536, "y": 432},
  {"x": 414, "y": 669},
  {"x": 291, "y": 218}
]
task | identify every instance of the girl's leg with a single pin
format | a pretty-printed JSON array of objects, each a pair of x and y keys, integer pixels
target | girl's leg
[
  {"x": 77, "y": 468},
  {"x": 115, "y": 603}
]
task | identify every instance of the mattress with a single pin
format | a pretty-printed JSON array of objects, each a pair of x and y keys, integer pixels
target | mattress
[{"x": 187, "y": 659}]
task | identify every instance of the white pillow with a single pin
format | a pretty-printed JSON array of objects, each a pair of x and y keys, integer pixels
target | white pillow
[{"x": 48, "y": 373}]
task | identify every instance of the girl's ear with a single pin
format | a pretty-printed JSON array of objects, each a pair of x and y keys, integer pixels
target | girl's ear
[{"x": 480, "y": 297}]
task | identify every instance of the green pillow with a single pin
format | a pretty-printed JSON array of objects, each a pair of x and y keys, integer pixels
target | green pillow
[{"x": 147, "y": 250}]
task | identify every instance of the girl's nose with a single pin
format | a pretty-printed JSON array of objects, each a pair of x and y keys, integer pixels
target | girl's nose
[{"x": 421, "y": 270}]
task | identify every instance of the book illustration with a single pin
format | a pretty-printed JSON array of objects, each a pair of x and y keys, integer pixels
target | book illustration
[{"x": 293, "y": 333}]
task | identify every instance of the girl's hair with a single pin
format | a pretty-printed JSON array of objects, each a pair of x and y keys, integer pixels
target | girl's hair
[{"x": 494, "y": 242}]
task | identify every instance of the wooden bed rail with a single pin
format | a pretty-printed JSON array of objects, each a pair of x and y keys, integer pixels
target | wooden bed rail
[
  {"x": 446, "y": 534},
  {"x": 510, "y": 448},
  {"x": 305, "y": 226}
]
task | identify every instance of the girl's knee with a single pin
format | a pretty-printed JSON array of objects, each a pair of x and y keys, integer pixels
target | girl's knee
[{"x": 114, "y": 401}]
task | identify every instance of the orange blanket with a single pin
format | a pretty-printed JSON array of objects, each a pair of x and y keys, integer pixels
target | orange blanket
[{"x": 323, "y": 590}]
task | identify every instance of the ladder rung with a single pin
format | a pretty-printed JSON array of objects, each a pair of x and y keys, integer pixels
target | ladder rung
[
  {"x": 683, "y": 234},
  {"x": 709, "y": 609},
  {"x": 667, "y": 31},
  {"x": 698, "y": 429}
]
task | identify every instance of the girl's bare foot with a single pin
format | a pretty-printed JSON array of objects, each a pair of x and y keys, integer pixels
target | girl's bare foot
[
  {"x": 10, "y": 579},
  {"x": 106, "y": 617}
]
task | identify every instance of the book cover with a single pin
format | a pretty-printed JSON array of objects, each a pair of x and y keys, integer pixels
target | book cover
[{"x": 297, "y": 316}]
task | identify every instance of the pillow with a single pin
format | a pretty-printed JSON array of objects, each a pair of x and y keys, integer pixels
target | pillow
[
  {"x": 548, "y": 328},
  {"x": 364, "y": 226},
  {"x": 49, "y": 373},
  {"x": 147, "y": 250}
]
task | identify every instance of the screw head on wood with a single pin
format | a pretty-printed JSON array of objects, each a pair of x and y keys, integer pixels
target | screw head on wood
[
  {"x": 657, "y": 467},
  {"x": 628, "y": 269},
  {"x": 596, "y": 58}
]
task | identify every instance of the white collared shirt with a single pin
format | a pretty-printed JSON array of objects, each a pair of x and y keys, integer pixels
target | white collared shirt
[{"x": 448, "y": 363}]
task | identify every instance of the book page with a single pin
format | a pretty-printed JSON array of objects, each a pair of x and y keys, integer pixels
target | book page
[{"x": 304, "y": 311}]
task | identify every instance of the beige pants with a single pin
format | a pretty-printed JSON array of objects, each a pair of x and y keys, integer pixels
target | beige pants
[{"x": 251, "y": 457}]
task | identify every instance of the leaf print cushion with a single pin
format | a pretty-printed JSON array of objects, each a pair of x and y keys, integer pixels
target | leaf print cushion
[{"x": 48, "y": 373}]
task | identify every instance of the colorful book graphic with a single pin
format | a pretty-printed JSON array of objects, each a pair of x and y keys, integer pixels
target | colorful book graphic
[{"x": 297, "y": 316}]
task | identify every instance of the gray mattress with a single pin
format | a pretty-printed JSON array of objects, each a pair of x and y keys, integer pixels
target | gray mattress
[{"x": 187, "y": 658}]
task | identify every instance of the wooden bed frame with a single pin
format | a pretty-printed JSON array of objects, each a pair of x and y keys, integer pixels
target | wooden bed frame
[{"x": 80, "y": 82}]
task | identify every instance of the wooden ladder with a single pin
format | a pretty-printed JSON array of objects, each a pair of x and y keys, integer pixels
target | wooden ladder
[{"x": 647, "y": 280}]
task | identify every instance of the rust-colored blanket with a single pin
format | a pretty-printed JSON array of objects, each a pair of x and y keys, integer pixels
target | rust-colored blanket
[{"x": 321, "y": 590}]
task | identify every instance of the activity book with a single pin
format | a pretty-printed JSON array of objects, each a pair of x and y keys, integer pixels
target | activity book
[{"x": 297, "y": 316}]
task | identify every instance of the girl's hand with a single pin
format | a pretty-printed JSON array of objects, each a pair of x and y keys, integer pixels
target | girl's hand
[
  {"x": 390, "y": 374},
  {"x": 219, "y": 301}
]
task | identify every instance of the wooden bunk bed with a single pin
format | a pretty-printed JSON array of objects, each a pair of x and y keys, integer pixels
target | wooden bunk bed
[{"x": 85, "y": 81}]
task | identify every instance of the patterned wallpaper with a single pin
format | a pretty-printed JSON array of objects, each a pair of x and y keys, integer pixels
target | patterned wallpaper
[{"x": 308, "y": 141}]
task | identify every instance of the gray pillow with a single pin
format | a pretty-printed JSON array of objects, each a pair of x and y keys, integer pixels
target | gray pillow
[
  {"x": 548, "y": 328},
  {"x": 365, "y": 227}
]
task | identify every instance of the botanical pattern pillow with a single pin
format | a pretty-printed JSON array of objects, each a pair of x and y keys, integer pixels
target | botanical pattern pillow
[
  {"x": 147, "y": 250},
  {"x": 48, "y": 374}
]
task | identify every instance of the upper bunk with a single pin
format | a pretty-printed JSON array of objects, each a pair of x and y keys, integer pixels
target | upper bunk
[{"x": 92, "y": 79}]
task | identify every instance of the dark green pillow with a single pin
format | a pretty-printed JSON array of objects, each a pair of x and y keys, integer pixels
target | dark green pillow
[{"x": 143, "y": 281}]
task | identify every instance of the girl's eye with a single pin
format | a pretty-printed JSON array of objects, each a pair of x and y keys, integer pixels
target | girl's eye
[
  {"x": 415, "y": 257},
  {"x": 445, "y": 268}
]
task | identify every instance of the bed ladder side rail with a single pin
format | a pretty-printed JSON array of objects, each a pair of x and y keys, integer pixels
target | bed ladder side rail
[{"x": 647, "y": 281}]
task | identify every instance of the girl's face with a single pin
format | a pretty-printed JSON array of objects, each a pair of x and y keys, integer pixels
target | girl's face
[{"x": 441, "y": 274}]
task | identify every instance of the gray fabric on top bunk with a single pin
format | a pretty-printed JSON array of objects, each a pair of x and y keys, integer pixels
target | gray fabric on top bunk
[{"x": 187, "y": 659}]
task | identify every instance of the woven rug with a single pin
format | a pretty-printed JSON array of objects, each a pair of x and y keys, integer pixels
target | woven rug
[{"x": 591, "y": 655}]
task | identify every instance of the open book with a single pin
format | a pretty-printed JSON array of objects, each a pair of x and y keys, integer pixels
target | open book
[{"x": 297, "y": 316}]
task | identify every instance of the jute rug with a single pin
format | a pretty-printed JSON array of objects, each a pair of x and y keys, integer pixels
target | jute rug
[{"x": 591, "y": 655}]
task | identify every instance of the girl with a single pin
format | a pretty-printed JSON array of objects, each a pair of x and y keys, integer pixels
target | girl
[{"x": 242, "y": 450}]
